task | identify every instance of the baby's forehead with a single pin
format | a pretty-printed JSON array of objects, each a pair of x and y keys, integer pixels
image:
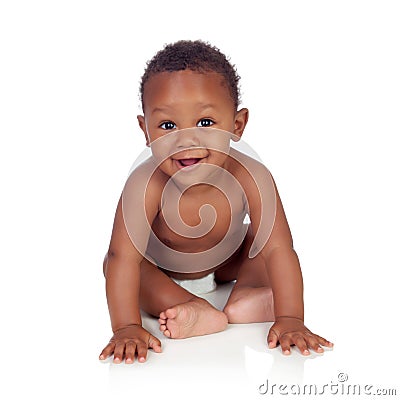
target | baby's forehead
[
  {"x": 185, "y": 77},
  {"x": 167, "y": 86}
]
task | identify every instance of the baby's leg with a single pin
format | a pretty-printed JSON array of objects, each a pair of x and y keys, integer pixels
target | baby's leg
[
  {"x": 158, "y": 291},
  {"x": 181, "y": 313},
  {"x": 251, "y": 299}
]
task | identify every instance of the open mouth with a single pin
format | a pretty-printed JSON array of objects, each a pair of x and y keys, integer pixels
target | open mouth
[{"x": 187, "y": 162}]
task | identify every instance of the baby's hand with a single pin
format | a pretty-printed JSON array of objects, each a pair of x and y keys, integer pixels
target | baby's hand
[
  {"x": 128, "y": 341},
  {"x": 292, "y": 331}
]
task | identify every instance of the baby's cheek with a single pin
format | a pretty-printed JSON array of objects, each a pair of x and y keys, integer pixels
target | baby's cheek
[
  {"x": 217, "y": 158},
  {"x": 167, "y": 167}
]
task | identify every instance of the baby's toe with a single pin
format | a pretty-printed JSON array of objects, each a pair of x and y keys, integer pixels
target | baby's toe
[
  {"x": 171, "y": 312},
  {"x": 167, "y": 333}
]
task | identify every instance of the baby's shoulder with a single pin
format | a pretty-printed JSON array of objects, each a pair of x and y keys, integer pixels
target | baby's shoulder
[
  {"x": 148, "y": 170},
  {"x": 247, "y": 166},
  {"x": 146, "y": 179}
]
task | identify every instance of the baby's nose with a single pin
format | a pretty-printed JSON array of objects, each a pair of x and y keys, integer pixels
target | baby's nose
[{"x": 187, "y": 138}]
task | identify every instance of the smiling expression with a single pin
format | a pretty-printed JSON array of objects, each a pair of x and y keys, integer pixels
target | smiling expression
[{"x": 174, "y": 101}]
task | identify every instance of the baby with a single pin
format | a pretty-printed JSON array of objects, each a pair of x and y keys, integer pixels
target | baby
[{"x": 179, "y": 226}]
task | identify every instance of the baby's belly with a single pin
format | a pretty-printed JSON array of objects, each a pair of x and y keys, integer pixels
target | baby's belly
[
  {"x": 201, "y": 274},
  {"x": 198, "y": 263}
]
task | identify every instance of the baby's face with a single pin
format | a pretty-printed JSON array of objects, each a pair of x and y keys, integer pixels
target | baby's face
[{"x": 175, "y": 101}]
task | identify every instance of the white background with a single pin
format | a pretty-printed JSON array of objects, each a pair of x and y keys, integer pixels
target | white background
[{"x": 321, "y": 81}]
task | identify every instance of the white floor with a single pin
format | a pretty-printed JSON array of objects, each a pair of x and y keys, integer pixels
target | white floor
[
  {"x": 51, "y": 345},
  {"x": 237, "y": 364}
]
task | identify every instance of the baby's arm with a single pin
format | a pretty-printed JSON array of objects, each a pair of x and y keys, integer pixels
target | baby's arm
[
  {"x": 122, "y": 273},
  {"x": 286, "y": 282}
]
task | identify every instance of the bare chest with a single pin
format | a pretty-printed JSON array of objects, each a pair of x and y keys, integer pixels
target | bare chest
[{"x": 197, "y": 222}]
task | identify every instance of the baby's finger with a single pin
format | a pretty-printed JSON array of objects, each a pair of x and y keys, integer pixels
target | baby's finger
[
  {"x": 285, "y": 344},
  {"x": 272, "y": 339},
  {"x": 119, "y": 352},
  {"x": 107, "y": 351},
  {"x": 155, "y": 344},
  {"x": 301, "y": 344},
  {"x": 323, "y": 341},
  {"x": 313, "y": 343},
  {"x": 130, "y": 349},
  {"x": 141, "y": 351}
]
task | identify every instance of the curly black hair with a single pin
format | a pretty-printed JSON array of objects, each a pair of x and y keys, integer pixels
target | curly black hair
[{"x": 196, "y": 56}]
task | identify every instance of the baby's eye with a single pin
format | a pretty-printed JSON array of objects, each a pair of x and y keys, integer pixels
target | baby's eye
[
  {"x": 205, "y": 122},
  {"x": 167, "y": 125}
]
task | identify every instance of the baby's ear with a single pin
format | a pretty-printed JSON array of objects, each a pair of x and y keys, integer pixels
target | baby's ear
[
  {"x": 142, "y": 124},
  {"x": 241, "y": 118}
]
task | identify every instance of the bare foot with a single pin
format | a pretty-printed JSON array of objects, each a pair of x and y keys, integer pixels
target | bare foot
[
  {"x": 248, "y": 304},
  {"x": 195, "y": 318}
]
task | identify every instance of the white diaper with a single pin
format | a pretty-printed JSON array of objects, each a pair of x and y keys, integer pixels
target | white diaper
[{"x": 198, "y": 286}]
